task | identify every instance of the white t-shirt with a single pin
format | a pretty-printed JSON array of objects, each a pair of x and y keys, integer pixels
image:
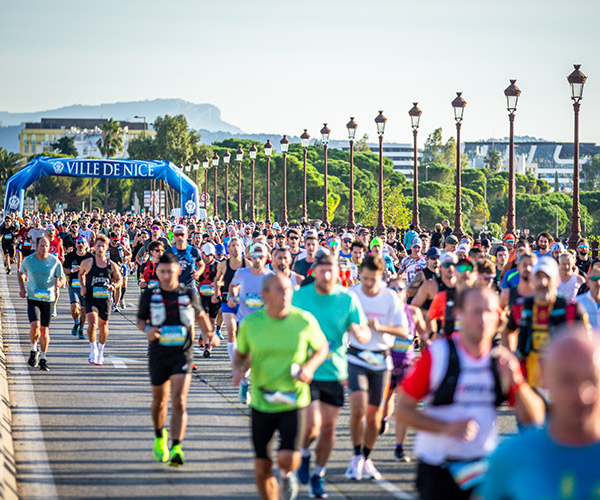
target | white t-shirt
[{"x": 388, "y": 309}]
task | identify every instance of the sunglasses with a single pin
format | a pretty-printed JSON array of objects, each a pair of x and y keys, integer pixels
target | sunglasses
[
  {"x": 397, "y": 288},
  {"x": 583, "y": 247},
  {"x": 595, "y": 278},
  {"x": 463, "y": 268},
  {"x": 256, "y": 255},
  {"x": 293, "y": 238},
  {"x": 158, "y": 250},
  {"x": 155, "y": 228},
  {"x": 80, "y": 243},
  {"x": 447, "y": 265},
  {"x": 509, "y": 241},
  {"x": 333, "y": 244},
  {"x": 178, "y": 234},
  {"x": 488, "y": 277}
]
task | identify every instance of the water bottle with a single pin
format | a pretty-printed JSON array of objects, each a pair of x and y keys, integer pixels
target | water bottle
[{"x": 158, "y": 311}]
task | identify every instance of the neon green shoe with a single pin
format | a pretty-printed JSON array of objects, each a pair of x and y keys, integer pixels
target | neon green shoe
[
  {"x": 177, "y": 457},
  {"x": 161, "y": 448}
]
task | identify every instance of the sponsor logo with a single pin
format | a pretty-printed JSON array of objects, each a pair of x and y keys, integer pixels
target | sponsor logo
[
  {"x": 58, "y": 168},
  {"x": 13, "y": 202},
  {"x": 190, "y": 206}
]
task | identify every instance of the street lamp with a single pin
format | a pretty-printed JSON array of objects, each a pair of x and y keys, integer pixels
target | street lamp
[
  {"x": 268, "y": 150},
  {"x": 285, "y": 144},
  {"x": 576, "y": 81},
  {"x": 305, "y": 139},
  {"x": 512, "y": 93},
  {"x": 226, "y": 158},
  {"x": 196, "y": 166},
  {"x": 459, "y": 107},
  {"x": 351, "y": 126},
  {"x": 239, "y": 156},
  {"x": 380, "y": 122},
  {"x": 215, "y": 162},
  {"x": 415, "y": 118},
  {"x": 253, "y": 152},
  {"x": 325, "y": 131}
]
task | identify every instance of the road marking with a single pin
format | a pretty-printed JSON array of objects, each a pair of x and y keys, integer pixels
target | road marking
[
  {"x": 394, "y": 490},
  {"x": 37, "y": 482},
  {"x": 120, "y": 362}
]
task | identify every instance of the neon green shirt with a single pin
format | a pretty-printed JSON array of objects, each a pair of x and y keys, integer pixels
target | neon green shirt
[{"x": 274, "y": 345}]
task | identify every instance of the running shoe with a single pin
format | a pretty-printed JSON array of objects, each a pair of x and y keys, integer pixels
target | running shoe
[
  {"x": 44, "y": 365},
  {"x": 100, "y": 359},
  {"x": 81, "y": 334},
  {"x": 316, "y": 487},
  {"x": 34, "y": 358},
  {"x": 289, "y": 489},
  {"x": 219, "y": 334},
  {"x": 206, "y": 353},
  {"x": 161, "y": 447},
  {"x": 304, "y": 470},
  {"x": 400, "y": 456},
  {"x": 176, "y": 459},
  {"x": 74, "y": 330},
  {"x": 93, "y": 359},
  {"x": 370, "y": 471},
  {"x": 355, "y": 468},
  {"x": 115, "y": 308},
  {"x": 122, "y": 305},
  {"x": 383, "y": 426},
  {"x": 243, "y": 394}
]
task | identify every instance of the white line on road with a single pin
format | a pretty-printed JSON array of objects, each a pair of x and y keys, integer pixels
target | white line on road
[
  {"x": 40, "y": 483},
  {"x": 120, "y": 362},
  {"x": 394, "y": 490}
]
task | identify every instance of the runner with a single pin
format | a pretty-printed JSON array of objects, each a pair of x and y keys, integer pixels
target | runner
[
  {"x": 118, "y": 253},
  {"x": 98, "y": 277},
  {"x": 8, "y": 233},
  {"x": 167, "y": 314},
  {"x": 44, "y": 277},
  {"x": 282, "y": 260},
  {"x": 24, "y": 247},
  {"x": 338, "y": 312},
  {"x": 149, "y": 278},
  {"x": 275, "y": 343},
  {"x": 71, "y": 268},
  {"x": 189, "y": 257},
  {"x": 206, "y": 288},
  {"x": 370, "y": 364}
]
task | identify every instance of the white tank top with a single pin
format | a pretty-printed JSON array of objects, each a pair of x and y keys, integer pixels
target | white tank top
[{"x": 569, "y": 289}]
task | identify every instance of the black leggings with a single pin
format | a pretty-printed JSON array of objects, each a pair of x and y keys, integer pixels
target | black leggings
[{"x": 290, "y": 425}]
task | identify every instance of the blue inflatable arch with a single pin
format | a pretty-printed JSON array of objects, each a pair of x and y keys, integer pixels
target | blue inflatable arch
[{"x": 104, "y": 169}]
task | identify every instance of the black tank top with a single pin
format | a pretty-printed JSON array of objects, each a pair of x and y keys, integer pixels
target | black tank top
[
  {"x": 99, "y": 277},
  {"x": 228, "y": 277}
]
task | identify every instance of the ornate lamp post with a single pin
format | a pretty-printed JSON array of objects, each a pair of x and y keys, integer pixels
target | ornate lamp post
[
  {"x": 285, "y": 144},
  {"x": 268, "y": 151},
  {"x": 205, "y": 163},
  {"x": 415, "y": 118},
  {"x": 253, "y": 152},
  {"x": 325, "y": 131},
  {"x": 459, "y": 107},
  {"x": 351, "y": 126},
  {"x": 239, "y": 156},
  {"x": 196, "y": 166},
  {"x": 380, "y": 122},
  {"x": 226, "y": 159},
  {"x": 215, "y": 162},
  {"x": 512, "y": 93},
  {"x": 305, "y": 139},
  {"x": 576, "y": 81}
]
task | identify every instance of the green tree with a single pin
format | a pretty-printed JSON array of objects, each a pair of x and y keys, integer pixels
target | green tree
[
  {"x": 493, "y": 160},
  {"x": 433, "y": 151},
  {"x": 174, "y": 141},
  {"x": 556, "y": 183},
  {"x": 395, "y": 210},
  {"x": 9, "y": 164},
  {"x": 449, "y": 153},
  {"x": 590, "y": 174},
  {"x": 360, "y": 146},
  {"x": 66, "y": 146},
  {"x": 109, "y": 144}
]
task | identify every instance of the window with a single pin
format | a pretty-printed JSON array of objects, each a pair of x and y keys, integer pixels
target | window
[{"x": 26, "y": 148}]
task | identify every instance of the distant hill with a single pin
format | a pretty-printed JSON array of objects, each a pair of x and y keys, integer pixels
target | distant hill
[{"x": 199, "y": 116}]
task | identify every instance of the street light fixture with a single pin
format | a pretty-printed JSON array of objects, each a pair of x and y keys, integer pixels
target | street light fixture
[
  {"x": 239, "y": 156},
  {"x": 268, "y": 150},
  {"x": 305, "y": 139},
  {"x": 226, "y": 159},
  {"x": 253, "y": 151},
  {"x": 285, "y": 144},
  {"x": 459, "y": 107},
  {"x": 415, "y": 118},
  {"x": 512, "y": 93},
  {"x": 215, "y": 162},
  {"x": 380, "y": 122},
  {"x": 325, "y": 131},
  {"x": 576, "y": 81},
  {"x": 351, "y": 126}
]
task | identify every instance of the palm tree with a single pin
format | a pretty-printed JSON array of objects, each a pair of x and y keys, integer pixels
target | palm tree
[
  {"x": 493, "y": 160},
  {"x": 110, "y": 144},
  {"x": 9, "y": 164}
]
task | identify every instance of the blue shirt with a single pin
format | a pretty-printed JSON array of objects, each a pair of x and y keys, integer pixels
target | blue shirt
[
  {"x": 41, "y": 274},
  {"x": 510, "y": 279},
  {"x": 532, "y": 466},
  {"x": 188, "y": 260}
]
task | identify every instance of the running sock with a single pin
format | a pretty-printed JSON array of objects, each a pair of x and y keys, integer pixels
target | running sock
[
  {"x": 305, "y": 452},
  {"x": 34, "y": 346},
  {"x": 176, "y": 442},
  {"x": 284, "y": 474},
  {"x": 100, "y": 348},
  {"x": 366, "y": 452},
  {"x": 158, "y": 432},
  {"x": 42, "y": 355},
  {"x": 357, "y": 449},
  {"x": 400, "y": 447},
  {"x": 230, "y": 350},
  {"x": 93, "y": 347},
  {"x": 319, "y": 470}
]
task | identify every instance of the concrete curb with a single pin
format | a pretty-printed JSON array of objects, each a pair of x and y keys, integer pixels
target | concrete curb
[{"x": 8, "y": 469}]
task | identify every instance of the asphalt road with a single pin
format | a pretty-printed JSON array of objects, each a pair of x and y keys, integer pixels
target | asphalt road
[{"x": 84, "y": 431}]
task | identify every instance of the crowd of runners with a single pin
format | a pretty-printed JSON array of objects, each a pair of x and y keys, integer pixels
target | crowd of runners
[{"x": 420, "y": 330}]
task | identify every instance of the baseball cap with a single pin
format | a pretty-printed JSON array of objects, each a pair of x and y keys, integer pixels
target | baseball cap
[
  {"x": 209, "y": 249},
  {"x": 558, "y": 246},
  {"x": 433, "y": 253},
  {"x": 180, "y": 228},
  {"x": 275, "y": 225},
  {"x": 508, "y": 236},
  {"x": 375, "y": 241},
  {"x": 257, "y": 248},
  {"x": 547, "y": 266},
  {"x": 501, "y": 248},
  {"x": 448, "y": 257},
  {"x": 416, "y": 242},
  {"x": 347, "y": 236},
  {"x": 50, "y": 227},
  {"x": 219, "y": 248},
  {"x": 462, "y": 248},
  {"x": 324, "y": 256},
  {"x": 451, "y": 240}
]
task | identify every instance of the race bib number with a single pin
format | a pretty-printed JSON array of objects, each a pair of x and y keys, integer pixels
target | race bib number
[
  {"x": 100, "y": 292},
  {"x": 172, "y": 335},
  {"x": 8, "y": 236},
  {"x": 43, "y": 295},
  {"x": 254, "y": 301},
  {"x": 207, "y": 290},
  {"x": 75, "y": 283}
]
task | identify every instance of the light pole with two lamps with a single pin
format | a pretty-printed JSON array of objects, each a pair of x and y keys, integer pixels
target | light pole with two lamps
[
  {"x": 226, "y": 158},
  {"x": 253, "y": 152},
  {"x": 239, "y": 156}
]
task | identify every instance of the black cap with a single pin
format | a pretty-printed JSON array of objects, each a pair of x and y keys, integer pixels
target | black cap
[{"x": 324, "y": 257}]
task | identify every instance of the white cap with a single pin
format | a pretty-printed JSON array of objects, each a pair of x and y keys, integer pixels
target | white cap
[
  {"x": 180, "y": 228},
  {"x": 347, "y": 236},
  {"x": 50, "y": 227},
  {"x": 209, "y": 249},
  {"x": 275, "y": 225},
  {"x": 462, "y": 248},
  {"x": 448, "y": 257},
  {"x": 258, "y": 248},
  {"x": 547, "y": 266}
]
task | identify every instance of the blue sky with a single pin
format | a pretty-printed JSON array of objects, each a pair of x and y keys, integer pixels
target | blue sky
[{"x": 282, "y": 66}]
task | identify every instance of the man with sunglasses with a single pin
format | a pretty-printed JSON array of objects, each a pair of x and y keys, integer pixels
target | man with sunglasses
[
  {"x": 70, "y": 238},
  {"x": 583, "y": 261},
  {"x": 71, "y": 267},
  {"x": 24, "y": 247},
  {"x": 156, "y": 230},
  {"x": 293, "y": 243},
  {"x": 190, "y": 258},
  {"x": 440, "y": 315},
  {"x": 590, "y": 300}
]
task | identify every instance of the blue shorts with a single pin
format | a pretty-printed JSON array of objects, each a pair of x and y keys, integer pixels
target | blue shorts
[
  {"x": 75, "y": 295},
  {"x": 125, "y": 269},
  {"x": 226, "y": 309}
]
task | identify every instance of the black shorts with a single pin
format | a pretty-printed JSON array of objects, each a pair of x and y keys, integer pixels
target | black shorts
[
  {"x": 435, "y": 482},
  {"x": 38, "y": 310},
  {"x": 26, "y": 251},
  {"x": 100, "y": 306},
  {"x": 166, "y": 361},
  {"x": 8, "y": 249},
  {"x": 375, "y": 382},
  {"x": 290, "y": 425},
  {"x": 328, "y": 391},
  {"x": 211, "y": 309}
]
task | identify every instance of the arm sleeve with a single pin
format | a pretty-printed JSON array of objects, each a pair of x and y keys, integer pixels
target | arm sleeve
[
  {"x": 417, "y": 381},
  {"x": 144, "y": 307}
]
